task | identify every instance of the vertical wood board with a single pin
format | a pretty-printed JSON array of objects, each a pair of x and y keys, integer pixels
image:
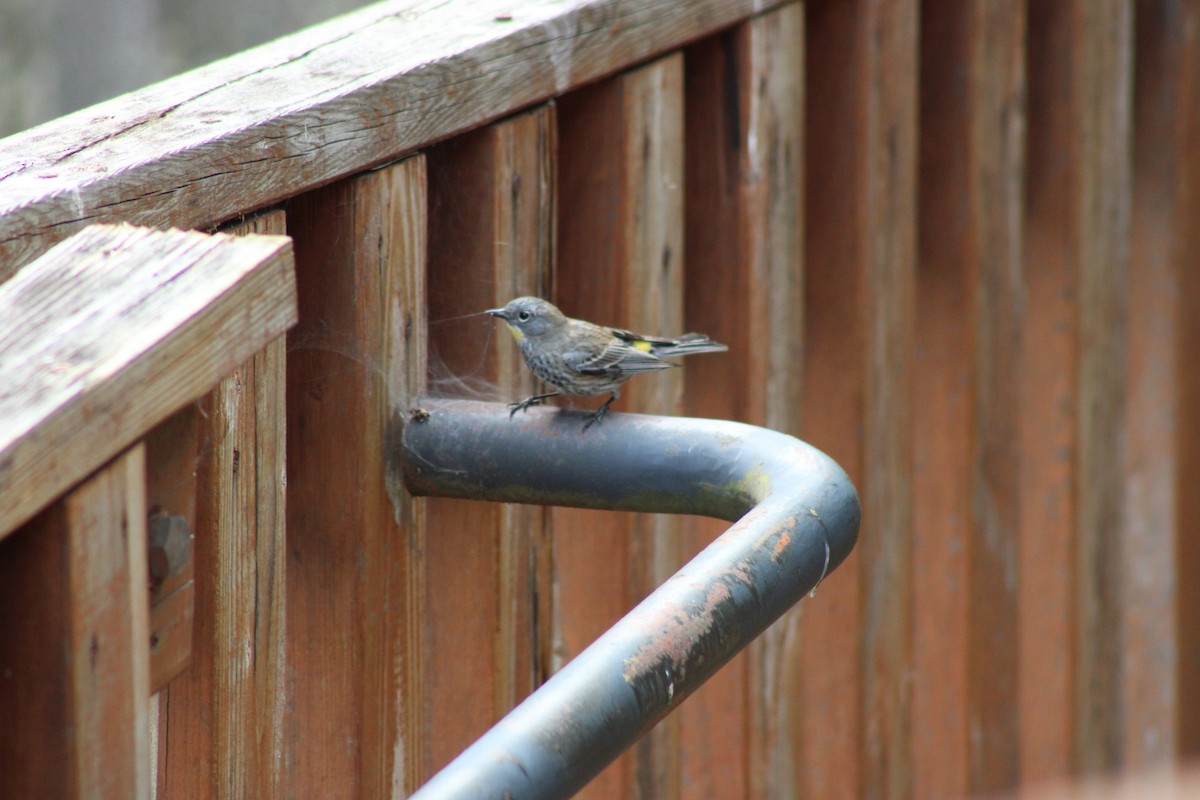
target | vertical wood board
[
  {"x": 74, "y": 645},
  {"x": 220, "y": 724},
  {"x": 620, "y": 263},
  {"x": 354, "y": 572},
  {"x": 490, "y": 240},
  {"x": 966, "y": 400},
  {"x": 744, "y": 285}
]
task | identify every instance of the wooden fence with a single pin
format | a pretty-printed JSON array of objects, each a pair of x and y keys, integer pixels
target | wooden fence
[{"x": 951, "y": 243}]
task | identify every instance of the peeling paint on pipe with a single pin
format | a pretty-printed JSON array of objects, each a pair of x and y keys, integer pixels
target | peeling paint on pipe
[{"x": 796, "y": 517}]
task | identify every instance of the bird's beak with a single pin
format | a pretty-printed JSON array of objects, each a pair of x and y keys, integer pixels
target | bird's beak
[{"x": 497, "y": 312}]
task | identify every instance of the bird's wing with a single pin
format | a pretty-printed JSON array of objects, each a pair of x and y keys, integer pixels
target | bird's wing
[
  {"x": 636, "y": 339},
  {"x": 685, "y": 345},
  {"x": 616, "y": 358}
]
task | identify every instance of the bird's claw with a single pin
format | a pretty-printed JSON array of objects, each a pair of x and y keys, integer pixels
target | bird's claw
[
  {"x": 599, "y": 414},
  {"x": 596, "y": 416},
  {"x": 523, "y": 405}
]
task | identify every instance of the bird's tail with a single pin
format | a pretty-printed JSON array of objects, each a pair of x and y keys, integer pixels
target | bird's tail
[{"x": 687, "y": 345}]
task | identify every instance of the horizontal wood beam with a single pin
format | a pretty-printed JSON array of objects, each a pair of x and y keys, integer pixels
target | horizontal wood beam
[
  {"x": 360, "y": 90},
  {"x": 114, "y": 330}
]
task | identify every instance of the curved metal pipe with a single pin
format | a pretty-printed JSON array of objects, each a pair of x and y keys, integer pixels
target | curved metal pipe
[{"x": 797, "y": 517}]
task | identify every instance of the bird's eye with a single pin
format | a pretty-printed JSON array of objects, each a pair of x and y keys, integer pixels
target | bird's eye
[{"x": 523, "y": 316}]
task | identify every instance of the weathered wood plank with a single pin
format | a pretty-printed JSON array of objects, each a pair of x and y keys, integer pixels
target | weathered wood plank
[
  {"x": 243, "y": 576},
  {"x": 74, "y": 646},
  {"x": 1161, "y": 623},
  {"x": 270, "y": 564},
  {"x": 399, "y": 721},
  {"x": 860, "y": 263},
  {"x": 944, "y": 389},
  {"x": 355, "y": 540},
  {"x": 621, "y": 263},
  {"x": 172, "y": 453},
  {"x": 835, "y": 337},
  {"x": 114, "y": 330},
  {"x": 1187, "y": 600},
  {"x": 225, "y": 711},
  {"x": 243, "y": 133},
  {"x": 1049, "y": 423},
  {"x": 490, "y": 240},
  {"x": 1106, "y": 150},
  {"x": 171, "y": 631},
  {"x": 744, "y": 286},
  {"x": 1077, "y": 250},
  {"x": 265, "y": 436},
  {"x": 653, "y": 261},
  {"x": 966, "y": 399},
  {"x": 1187, "y": 480}
]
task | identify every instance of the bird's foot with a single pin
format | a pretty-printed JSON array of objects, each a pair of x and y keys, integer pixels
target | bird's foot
[
  {"x": 524, "y": 405},
  {"x": 599, "y": 414}
]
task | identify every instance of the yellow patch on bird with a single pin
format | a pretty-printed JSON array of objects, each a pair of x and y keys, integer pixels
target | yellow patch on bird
[
  {"x": 517, "y": 335},
  {"x": 645, "y": 347}
]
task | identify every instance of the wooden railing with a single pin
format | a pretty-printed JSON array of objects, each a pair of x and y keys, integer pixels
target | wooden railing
[
  {"x": 105, "y": 338},
  {"x": 950, "y": 243}
]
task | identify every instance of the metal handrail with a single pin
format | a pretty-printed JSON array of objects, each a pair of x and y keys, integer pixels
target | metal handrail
[{"x": 797, "y": 516}]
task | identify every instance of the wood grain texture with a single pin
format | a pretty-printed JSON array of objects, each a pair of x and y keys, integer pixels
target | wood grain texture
[
  {"x": 172, "y": 453},
  {"x": 171, "y": 618},
  {"x": 114, "y": 330},
  {"x": 264, "y": 509},
  {"x": 1106, "y": 146},
  {"x": 1049, "y": 424},
  {"x": 74, "y": 644},
  {"x": 1077, "y": 247},
  {"x": 620, "y": 262},
  {"x": 1187, "y": 480},
  {"x": 491, "y": 239},
  {"x": 1161, "y": 621},
  {"x": 744, "y": 286},
  {"x": 966, "y": 399},
  {"x": 860, "y": 262},
  {"x": 355, "y": 540},
  {"x": 225, "y": 712},
  {"x": 172, "y": 456},
  {"x": 359, "y": 90}
]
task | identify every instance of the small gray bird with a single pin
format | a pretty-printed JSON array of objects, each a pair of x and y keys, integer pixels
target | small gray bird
[{"x": 582, "y": 358}]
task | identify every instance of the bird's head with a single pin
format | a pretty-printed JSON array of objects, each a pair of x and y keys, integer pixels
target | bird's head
[{"x": 529, "y": 316}]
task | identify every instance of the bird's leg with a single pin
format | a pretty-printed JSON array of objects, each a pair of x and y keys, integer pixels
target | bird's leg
[
  {"x": 600, "y": 412},
  {"x": 536, "y": 399}
]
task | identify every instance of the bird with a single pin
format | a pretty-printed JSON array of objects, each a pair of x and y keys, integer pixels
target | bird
[{"x": 582, "y": 358}]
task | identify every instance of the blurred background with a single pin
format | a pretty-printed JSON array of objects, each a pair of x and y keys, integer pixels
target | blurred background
[{"x": 58, "y": 56}]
